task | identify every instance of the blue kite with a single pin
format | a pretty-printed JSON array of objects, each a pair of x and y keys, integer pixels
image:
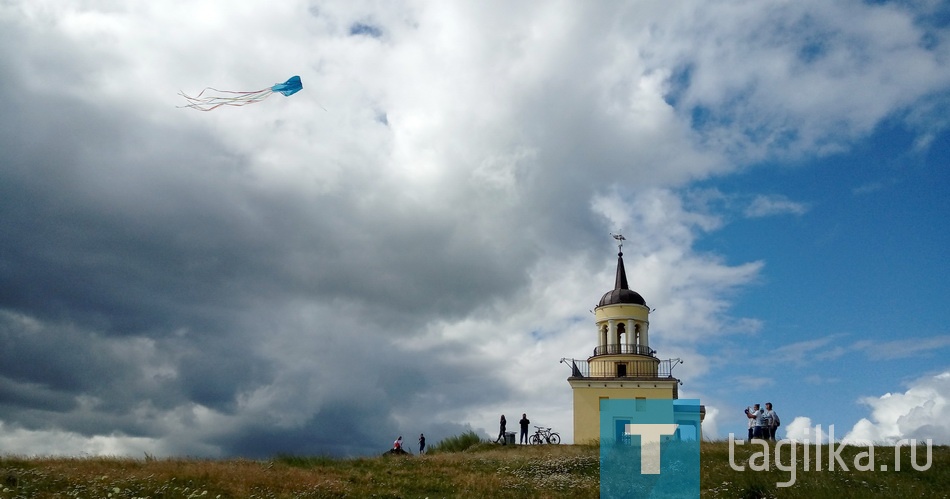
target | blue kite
[{"x": 214, "y": 100}]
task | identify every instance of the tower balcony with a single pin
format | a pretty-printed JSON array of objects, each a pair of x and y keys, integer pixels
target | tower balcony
[
  {"x": 623, "y": 349},
  {"x": 657, "y": 370}
]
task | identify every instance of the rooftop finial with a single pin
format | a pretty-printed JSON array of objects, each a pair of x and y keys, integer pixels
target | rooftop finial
[{"x": 620, "y": 239}]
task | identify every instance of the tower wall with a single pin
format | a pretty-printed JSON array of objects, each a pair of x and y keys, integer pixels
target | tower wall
[
  {"x": 623, "y": 310},
  {"x": 589, "y": 392}
]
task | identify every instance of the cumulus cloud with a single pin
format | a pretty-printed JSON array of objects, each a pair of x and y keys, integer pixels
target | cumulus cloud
[
  {"x": 711, "y": 423},
  {"x": 801, "y": 429},
  {"x": 922, "y": 412}
]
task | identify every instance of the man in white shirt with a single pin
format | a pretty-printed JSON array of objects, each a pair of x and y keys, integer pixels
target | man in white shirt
[{"x": 757, "y": 422}]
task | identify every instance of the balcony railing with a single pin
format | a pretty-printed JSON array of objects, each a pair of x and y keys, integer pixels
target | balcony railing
[
  {"x": 581, "y": 369},
  {"x": 624, "y": 349}
]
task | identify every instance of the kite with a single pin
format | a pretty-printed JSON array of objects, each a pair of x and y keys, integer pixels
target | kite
[{"x": 217, "y": 98}]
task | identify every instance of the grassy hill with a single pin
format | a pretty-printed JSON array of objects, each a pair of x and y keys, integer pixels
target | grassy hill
[{"x": 481, "y": 470}]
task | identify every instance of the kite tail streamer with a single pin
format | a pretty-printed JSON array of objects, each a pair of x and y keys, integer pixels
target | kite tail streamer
[
  {"x": 217, "y": 98},
  {"x": 212, "y": 101}
]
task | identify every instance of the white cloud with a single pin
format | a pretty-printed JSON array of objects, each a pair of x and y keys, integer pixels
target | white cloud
[
  {"x": 833, "y": 63},
  {"x": 830, "y": 347},
  {"x": 801, "y": 428},
  {"x": 710, "y": 422},
  {"x": 902, "y": 349},
  {"x": 921, "y": 412},
  {"x": 748, "y": 383},
  {"x": 806, "y": 352},
  {"x": 18, "y": 441},
  {"x": 766, "y": 206}
]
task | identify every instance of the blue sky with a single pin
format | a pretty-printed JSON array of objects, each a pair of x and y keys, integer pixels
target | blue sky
[
  {"x": 852, "y": 288},
  {"x": 412, "y": 242}
]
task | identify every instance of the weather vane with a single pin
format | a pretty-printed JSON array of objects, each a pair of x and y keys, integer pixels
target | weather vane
[{"x": 620, "y": 239}]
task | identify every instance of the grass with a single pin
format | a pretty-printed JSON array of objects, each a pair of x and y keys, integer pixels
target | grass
[
  {"x": 479, "y": 469},
  {"x": 458, "y": 443}
]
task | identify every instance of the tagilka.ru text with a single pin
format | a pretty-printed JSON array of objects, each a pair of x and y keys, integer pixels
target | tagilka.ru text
[{"x": 813, "y": 459}]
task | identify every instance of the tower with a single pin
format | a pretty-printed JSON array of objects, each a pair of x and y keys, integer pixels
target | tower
[{"x": 622, "y": 365}]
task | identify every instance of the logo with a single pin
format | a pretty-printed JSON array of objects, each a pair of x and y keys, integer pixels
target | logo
[
  {"x": 649, "y": 448},
  {"x": 818, "y": 454}
]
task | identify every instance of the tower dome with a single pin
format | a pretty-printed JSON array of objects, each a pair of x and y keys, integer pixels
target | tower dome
[{"x": 621, "y": 292}]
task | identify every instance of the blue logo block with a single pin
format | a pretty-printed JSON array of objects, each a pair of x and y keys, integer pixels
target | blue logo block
[{"x": 649, "y": 448}]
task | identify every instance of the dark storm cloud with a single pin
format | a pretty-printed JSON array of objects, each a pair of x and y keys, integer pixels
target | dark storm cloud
[
  {"x": 143, "y": 273},
  {"x": 100, "y": 233},
  {"x": 15, "y": 394},
  {"x": 51, "y": 358},
  {"x": 345, "y": 428}
]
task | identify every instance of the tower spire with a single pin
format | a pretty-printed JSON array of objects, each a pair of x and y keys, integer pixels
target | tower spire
[{"x": 621, "y": 281}]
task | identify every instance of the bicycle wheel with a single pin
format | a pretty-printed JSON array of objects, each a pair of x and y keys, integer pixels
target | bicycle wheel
[
  {"x": 555, "y": 438},
  {"x": 535, "y": 439}
]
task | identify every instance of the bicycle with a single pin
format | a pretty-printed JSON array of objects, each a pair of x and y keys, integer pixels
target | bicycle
[{"x": 544, "y": 435}]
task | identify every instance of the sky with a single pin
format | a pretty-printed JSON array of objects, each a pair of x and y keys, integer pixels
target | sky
[{"x": 412, "y": 242}]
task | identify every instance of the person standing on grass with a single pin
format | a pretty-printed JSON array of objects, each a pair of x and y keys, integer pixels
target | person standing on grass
[
  {"x": 750, "y": 417},
  {"x": 756, "y": 422},
  {"x": 397, "y": 445},
  {"x": 761, "y": 425},
  {"x": 773, "y": 420},
  {"x": 422, "y": 443},
  {"x": 524, "y": 428},
  {"x": 501, "y": 432}
]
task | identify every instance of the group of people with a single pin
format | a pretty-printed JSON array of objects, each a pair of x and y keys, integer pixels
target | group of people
[
  {"x": 524, "y": 429},
  {"x": 763, "y": 423},
  {"x": 397, "y": 445}
]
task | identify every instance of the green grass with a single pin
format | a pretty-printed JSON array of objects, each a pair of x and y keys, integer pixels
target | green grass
[
  {"x": 475, "y": 469},
  {"x": 458, "y": 443}
]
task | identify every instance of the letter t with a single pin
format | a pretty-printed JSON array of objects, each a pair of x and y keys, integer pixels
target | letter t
[{"x": 650, "y": 444}]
